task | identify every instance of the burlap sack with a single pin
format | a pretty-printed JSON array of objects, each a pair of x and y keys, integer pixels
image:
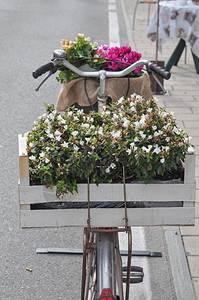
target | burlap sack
[{"x": 74, "y": 91}]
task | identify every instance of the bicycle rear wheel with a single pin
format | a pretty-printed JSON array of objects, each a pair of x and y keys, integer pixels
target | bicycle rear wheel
[{"x": 102, "y": 267}]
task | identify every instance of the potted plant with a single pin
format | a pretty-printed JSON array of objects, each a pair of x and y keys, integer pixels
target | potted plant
[
  {"x": 132, "y": 134},
  {"x": 88, "y": 56}
]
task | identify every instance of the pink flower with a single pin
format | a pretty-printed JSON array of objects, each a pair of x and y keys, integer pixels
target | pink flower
[{"x": 118, "y": 58}]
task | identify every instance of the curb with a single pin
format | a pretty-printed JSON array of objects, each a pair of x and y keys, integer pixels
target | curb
[{"x": 181, "y": 275}]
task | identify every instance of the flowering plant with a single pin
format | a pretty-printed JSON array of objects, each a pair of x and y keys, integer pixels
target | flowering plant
[
  {"x": 118, "y": 58},
  {"x": 65, "y": 149},
  {"x": 86, "y": 55}
]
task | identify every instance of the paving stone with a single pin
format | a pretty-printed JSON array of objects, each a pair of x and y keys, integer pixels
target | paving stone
[
  {"x": 194, "y": 265},
  {"x": 191, "y": 244},
  {"x": 185, "y": 117},
  {"x": 196, "y": 287},
  {"x": 190, "y": 230},
  {"x": 197, "y": 195},
  {"x": 193, "y": 124},
  {"x": 182, "y": 103}
]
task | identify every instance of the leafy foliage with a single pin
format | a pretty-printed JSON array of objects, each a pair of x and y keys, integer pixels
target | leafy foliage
[
  {"x": 86, "y": 55},
  {"x": 65, "y": 149}
]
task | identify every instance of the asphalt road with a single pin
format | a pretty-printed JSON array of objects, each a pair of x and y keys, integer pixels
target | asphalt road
[{"x": 29, "y": 31}]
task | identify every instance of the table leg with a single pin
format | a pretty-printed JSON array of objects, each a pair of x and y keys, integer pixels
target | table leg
[
  {"x": 196, "y": 62},
  {"x": 173, "y": 61}
]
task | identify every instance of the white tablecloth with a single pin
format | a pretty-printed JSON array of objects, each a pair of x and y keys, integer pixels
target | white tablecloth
[{"x": 176, "y": 21}]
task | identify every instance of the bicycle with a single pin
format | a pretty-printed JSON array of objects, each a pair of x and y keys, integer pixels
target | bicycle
[{"x": 102, "y": 272}]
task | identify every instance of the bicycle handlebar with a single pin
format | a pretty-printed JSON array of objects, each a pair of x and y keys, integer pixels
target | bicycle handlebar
[
  {"x": 43, "y": 69},
  {"x": 62, "y": 61}
]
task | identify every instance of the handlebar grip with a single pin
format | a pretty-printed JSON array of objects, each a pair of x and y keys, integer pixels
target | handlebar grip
[
  {"x": 158, "y": 70},
  {"x": 43, "y": 69}
]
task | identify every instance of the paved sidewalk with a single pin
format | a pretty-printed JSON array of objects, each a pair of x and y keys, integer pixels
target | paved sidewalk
[{"x": 183, "y": 99}]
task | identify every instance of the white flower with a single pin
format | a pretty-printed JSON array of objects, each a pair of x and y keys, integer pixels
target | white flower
[
  {"x": 190, "y": 150},
  {"x": 48, "y": 130},
  {"x": 115, "y": 117},
  {"x": 81, "y": 142},
  {"x": 162, "y": 160},
  {"x": 65, "y": 145},
  {"x": 50, "y": 135},
  {"x": 157, "y": 133},
  {"x": 75, "y": 148},
  {"x": 107, "y": 112},
  {"x": 137, "y": 124},
  {"x": 167, "y": 139},
  {"x": 87, "y": 139},
  {"x": 47, "y": 121},
  {"x": 116, "y": 134},
  {"x": 157, "y": 150},
  {"x": 149, "y": 110},
  {"x": 112, "y": 165},
  {"x": 126, "y": 123},
  {"x": 136, "y": 139},
  {"x": 133, "y": 108},
  {"x": 120, "y": 100},
  {"x": 31, "y": 145},
  {"x": 58, "y": 138},
  {"x": 149, "y": 137},
  {"x": 86, "y": 125},
  {"x": 51, "y": 115},
  {"x": 107, "y": 170},
  {"x": 154, "y": 127},
  {"x": 32, "y": 157},
  {"x": 147, "y": 150},
  {"x": 42, "y": 154},
  {"x": 80, "y": 112},
  {"x": 65, "y": 127},
  {"x": 100, "y": 131},
  {"x": 76, "y": 118},
  {"x": 128, "y": 151},
  {"x": 142, "y": 134},
  {"x": 47, "y": 160},
  {"x": 57, "y": 133},
  {"x": 176, "y": 130},
  {"x": 74, "y": 133}
]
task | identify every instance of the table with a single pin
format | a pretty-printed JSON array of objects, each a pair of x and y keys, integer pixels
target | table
[{"x": 177, "y": 21}]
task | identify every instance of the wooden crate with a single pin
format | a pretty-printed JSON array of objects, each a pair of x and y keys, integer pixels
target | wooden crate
[{"x": 108, "y": 217}]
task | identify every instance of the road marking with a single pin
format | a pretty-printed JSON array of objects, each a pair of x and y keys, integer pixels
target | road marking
[
  {"x": 114, "y": 39},
  {"x": 129, "y": 31},
  {"x": 140, "y": 290}
]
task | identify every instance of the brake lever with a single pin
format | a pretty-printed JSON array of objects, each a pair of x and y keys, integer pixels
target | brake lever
[
  {"x": 54, "y": 70},
  {"x": 159, "y": 83},
  {"x": 156, "y": 79}
]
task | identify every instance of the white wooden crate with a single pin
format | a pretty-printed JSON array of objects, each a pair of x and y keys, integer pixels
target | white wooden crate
[{"x": 108, "y": 217}]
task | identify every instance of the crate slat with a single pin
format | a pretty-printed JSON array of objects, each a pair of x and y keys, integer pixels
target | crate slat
[
  {"x": 110, "y": 217},
  {"x": 111, "y": 192}
]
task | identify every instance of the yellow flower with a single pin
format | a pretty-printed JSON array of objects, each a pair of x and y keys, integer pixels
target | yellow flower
[{"x": 80, "y": 35}]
